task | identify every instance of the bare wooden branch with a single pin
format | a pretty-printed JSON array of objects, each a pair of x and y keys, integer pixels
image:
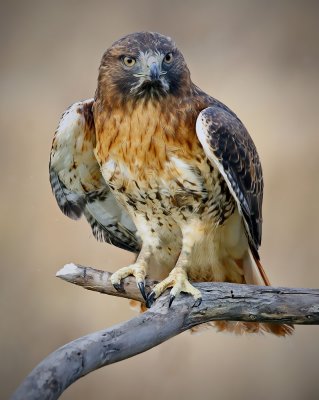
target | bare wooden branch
[
  {"x": 97, "y": 280},
  {"x": 221, "y": 301}
]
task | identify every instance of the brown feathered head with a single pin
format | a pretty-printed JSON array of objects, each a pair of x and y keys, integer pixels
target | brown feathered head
[{"x": 143, "y": 65}]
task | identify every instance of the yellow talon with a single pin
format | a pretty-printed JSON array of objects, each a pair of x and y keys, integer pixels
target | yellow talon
[
  {"x": 138, "y": 270},
  {"x": 178, "y": 280}
]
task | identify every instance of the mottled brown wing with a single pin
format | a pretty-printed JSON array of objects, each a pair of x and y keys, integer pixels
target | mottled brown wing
[
  {"x": 229, "y": 146},
  {"x": 77, "y": 182}
]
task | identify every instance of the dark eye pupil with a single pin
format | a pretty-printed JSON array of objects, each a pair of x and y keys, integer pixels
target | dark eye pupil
[{"x": 168, "y": 57}]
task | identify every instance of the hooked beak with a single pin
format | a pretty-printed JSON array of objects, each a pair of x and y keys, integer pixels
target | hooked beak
[
  {"x": 154, "y": 71},
  {"x": 154, "y": 68}
]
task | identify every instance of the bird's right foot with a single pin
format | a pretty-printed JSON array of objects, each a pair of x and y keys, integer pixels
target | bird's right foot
[{"x": 138, "y": 270}]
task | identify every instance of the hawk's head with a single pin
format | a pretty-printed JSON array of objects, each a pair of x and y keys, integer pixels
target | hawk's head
[{"x": 143, "y": 65}]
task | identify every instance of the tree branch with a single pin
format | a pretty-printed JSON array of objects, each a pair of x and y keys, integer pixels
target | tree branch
[
  {"x": 97, "y": 280},
  {"x": 221, "y": 301}
]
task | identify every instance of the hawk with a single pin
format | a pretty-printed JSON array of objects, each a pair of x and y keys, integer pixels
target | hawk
[{"x": 162, "y": 169}]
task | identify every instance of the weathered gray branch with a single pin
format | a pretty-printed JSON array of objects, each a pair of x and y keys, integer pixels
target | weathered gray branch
[
  {"x": 99, "y": 281},
  {"x": 221, "y": 301}
]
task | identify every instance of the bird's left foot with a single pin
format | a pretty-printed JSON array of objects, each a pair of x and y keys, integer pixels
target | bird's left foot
[
  {"x": 178, "y": 280},
  {"x": 138, "y": 270}
]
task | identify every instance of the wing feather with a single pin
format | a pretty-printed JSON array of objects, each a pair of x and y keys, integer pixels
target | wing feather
[
  {"x": 77, "y": 182},
  {"x": 71, "y": 204},
  {"x": 228, "y": 146}
]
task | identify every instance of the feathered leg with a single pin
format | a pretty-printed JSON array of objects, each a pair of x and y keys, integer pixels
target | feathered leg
[{"x": 178, "y": 279}]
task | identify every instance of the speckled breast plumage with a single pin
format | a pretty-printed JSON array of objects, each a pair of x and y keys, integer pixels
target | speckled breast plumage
[
  {"x": 161, "y": 183},
  {"x": 175, "y": 197}
]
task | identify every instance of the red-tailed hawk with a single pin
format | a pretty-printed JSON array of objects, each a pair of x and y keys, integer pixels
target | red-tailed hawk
[{"x": 160, "y": 168}]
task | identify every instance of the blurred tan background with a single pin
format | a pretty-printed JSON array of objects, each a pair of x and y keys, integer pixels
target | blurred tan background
[{"x": 259, "y": 57}]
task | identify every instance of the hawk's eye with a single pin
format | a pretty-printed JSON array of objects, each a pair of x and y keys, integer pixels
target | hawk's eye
[
  {"x": 129, "y": 61},
  {"x": 168, "y": 58}
]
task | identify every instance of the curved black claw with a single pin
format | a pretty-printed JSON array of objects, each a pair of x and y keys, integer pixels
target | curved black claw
[
  {"x": 141, "y": 286},
  {"x": 150, "y": 299},
  {"x": 119, "y": 287},
  {"x": 198, "y": 302},
  {"x": 171, "y": 299}
]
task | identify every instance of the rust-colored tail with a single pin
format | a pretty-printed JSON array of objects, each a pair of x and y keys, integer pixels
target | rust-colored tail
[
  {"x": 240, "y": 328},
  {"x": 138, "y": 306},
  {"x": 262, "y": 272},
  {"x": 254, "y": 274}
]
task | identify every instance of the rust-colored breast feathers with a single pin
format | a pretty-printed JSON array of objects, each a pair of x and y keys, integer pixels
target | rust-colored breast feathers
[{"x": 142, "y": 136}]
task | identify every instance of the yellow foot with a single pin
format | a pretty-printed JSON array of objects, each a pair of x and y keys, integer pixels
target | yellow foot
[
  {"x": 178, "y": 280},
  {"x": 137, "y": 269}
]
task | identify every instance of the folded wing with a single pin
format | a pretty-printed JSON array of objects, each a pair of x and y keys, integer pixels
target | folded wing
[
  {"x": 228, "y": 146},
  {"x": 78, "y": 185}
]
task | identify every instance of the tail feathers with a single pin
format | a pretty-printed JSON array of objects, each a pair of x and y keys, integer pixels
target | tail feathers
[
  {"x": 262, "y": 271},
  {"x": 137, "y": 306},
  {"x": 240, "y": 328},
  {"x": 254, "y": 274}
]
